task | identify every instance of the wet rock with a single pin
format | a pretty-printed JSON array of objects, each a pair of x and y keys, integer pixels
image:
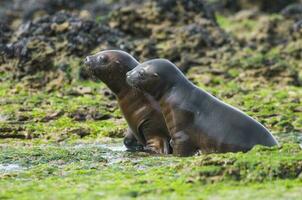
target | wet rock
[
  {"x": 25, "y": 109},
  {"x": 86, "y": 113},
  {"x": 107, "y": 93},
  {"x": 118, "y": 133},
  {"x": 11, "y": 129},
  {"x": 8, "y": 135},
  {"x": 16, "y": 131},
  {"x": 55, "y": 80},
  {"x": 293, "y": 11},
  {"x": 5, "y": 34},
  {"x": 81, "y": 132},
  {"x": 271, "y": 6},
  {"x": 138, "y": 19},
  {"x": 28, "y": 56},
  {"x": 178, "y": 30},
  {"x": 22, "y": 118},
  {"x": 190, "y": 43},
  {"x": 111, "y": 106},
  {"x": 273, "y": 31},
  {"x": 68, "y": 132},
  {"x": 6, "y": 12},
  {"x": 297, "y": 27},
  {"x": 69, "y": 31},
  {"x": 40, "y": 45},
  {"x": 80, "y": 91},
  {"x": 52, "y": 116},
  {"x": 78, "y": 116},
  {"x": 29, "y": 9},
  {"x": 248, "y": 167}
]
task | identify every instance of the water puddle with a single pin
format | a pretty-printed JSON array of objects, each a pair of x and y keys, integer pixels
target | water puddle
[
  {"x": 3, "y": 118},
  {"x": 116, "y": 147},
  {"x": 292, "y": 137},
  {"x": 113, "y": 152},
  {"x": 6, "y": 168}
]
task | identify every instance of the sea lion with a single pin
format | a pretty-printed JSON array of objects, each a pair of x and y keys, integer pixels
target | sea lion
[
  {"x": 141, "y": 111},
  {"x": 196, "y": 120}
]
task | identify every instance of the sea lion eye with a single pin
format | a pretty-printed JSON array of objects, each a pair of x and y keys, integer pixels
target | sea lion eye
[
  {"x": 155, "y": 75},
  {"x": 102, "y": 59}
]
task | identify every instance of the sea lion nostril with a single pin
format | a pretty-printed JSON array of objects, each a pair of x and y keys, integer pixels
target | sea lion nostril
[{"x": 87, "y": 60}]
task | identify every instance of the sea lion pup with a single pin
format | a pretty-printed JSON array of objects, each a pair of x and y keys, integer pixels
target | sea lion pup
[
  {"x": 196, "y": 120},
  {"x": 140, "y": 110}
]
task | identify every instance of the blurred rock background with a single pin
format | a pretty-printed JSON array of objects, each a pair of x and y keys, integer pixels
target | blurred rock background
[{"x": 245, "y": 52}]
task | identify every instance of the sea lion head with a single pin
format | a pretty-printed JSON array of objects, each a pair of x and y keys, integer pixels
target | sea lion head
[
  {"x": 110, "y": 66},
  {"x": 154, "y": 76}
]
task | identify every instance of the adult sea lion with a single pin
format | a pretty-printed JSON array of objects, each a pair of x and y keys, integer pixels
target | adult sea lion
[
  {"x": 196, "y": 120},
  {"x": 141, "y": 111}
]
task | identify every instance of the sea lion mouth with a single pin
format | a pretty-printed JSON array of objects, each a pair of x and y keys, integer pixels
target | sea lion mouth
[
  {"x": 131, "y": 81},
  {"x": 135, "y": 85},
  {"x": 90, "y": 71}
]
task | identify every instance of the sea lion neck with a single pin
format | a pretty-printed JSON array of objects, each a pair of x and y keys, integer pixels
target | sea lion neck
[
  {"x": 118, "y": 86},
  {"x": 181, "y": 86}
]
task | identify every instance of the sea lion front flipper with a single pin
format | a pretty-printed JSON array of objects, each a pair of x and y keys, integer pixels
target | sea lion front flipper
[
  {"x": 131, "y": 142},
  {"x": 182, "y": 145}
]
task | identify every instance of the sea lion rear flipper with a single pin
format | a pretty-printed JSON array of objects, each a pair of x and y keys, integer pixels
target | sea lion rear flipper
[
  {"x": 158, "y": 144},
  {"x": 131, "y": 142}
]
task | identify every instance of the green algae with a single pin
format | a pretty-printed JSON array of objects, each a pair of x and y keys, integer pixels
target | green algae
[
  {"x": 85, "y": 171},
  {"x": 68, "y": 158},
  {"x": 259, "y": 164},
  {"x": 49, "y": 115}
]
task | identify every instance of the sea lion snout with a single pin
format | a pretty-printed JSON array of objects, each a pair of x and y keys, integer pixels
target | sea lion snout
[
  {"x": 131, "y": 77},
  {"x": 131, "y": 74},
  {"x": 134, "y": 76},
  {"x": 88, "y": 60},
  {"x": 97, "y": 60}
]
